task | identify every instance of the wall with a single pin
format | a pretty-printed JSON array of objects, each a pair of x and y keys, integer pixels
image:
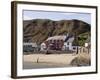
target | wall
[{"x": 5, "y": 40}]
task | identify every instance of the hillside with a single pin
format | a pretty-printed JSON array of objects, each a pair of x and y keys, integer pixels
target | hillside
[{"x": 38, "y": 30}]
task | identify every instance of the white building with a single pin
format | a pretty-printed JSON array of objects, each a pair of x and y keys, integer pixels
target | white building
[
  {"x": 61, "y": 42},
  {"x": 43, "y": 46},
  {"x": 68, "y": 44}
]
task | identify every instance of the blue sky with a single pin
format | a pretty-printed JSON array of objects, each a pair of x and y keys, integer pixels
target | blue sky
[{"x": 28, "y": 15}]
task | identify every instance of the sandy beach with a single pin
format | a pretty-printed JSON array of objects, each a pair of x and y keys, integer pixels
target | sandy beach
[
  {"x": 32, "y": 61},
  {"x": 43, "y": 60},
  {"x": 52, "y": 58}
]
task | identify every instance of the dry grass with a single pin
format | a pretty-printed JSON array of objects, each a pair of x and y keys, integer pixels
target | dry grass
[{"x": 82, "y": 59}]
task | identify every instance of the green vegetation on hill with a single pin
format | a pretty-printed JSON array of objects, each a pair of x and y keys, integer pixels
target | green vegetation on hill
[{"x": 82, "y": 38}]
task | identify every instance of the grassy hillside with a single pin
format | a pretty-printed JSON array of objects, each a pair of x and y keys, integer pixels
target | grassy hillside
[{"x": 38, "y": 30}]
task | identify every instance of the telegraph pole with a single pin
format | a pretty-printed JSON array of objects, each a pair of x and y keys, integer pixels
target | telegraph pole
[{"x": 76, "y": 42}]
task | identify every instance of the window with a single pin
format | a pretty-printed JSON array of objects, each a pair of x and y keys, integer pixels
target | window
[{"x": 74, "y": 48}]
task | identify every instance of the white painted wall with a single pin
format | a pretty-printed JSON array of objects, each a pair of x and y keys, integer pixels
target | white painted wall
[
  {"x": 43, "y": 46},
  {"x": 5, "y": 39},
  {"x": 86, "y": 44},
  {"x": 68, "y": 45}
]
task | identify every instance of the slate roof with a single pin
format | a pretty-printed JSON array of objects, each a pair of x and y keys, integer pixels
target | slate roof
[
  {"x": 61, "y": 37},
  {"x": 33, "y": 44},
  {"x": 65, "y": 38}
]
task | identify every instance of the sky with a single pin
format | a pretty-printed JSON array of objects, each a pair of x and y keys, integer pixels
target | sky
[{"x": 31, "y": 14}]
